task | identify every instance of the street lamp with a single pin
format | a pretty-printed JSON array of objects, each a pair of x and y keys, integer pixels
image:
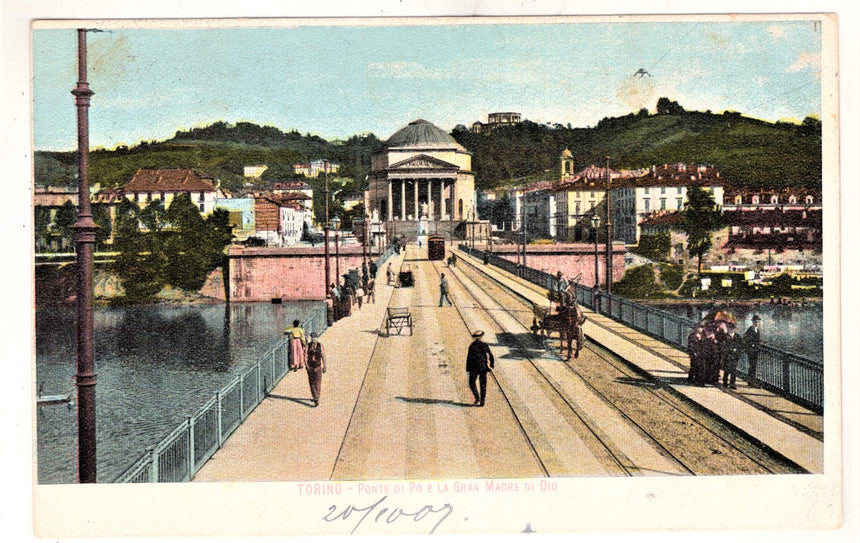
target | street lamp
[
  {"x": 85, "y": 238},
  {"x": 608, "y": 232},
  {"x": 595, "y": 225},
  {"x": 335, "y": 222}
]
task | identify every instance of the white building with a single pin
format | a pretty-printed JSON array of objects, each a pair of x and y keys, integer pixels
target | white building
[
  {"x": 661, "y": 189},
  {"x": 255, "y": 171}
]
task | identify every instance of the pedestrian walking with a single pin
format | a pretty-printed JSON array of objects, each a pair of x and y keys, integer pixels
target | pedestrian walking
[
  {"x": 316, "y": 367},
  {"x": 732, "y": 346},
  {"x": 388, "y": 273},
  {"x": 479, "y": 361},
  {"x": 752, "y": 343},
  {"x": 370, "y": 293},
  {"x": 373, "y": 269},
  {"x": 359, "y": 296},
  {"x": 298, "y": 344},
  {"x": 443, "y": 291}
]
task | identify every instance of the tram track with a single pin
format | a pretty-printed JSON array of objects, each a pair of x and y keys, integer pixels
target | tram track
[{"x": 713, "y": 439}]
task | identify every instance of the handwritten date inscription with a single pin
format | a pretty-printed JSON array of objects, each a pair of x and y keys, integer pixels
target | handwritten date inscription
[{"x": 388, "y": 515}]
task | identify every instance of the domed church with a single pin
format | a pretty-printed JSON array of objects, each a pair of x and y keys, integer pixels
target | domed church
[{"x": 421, "y": 182}]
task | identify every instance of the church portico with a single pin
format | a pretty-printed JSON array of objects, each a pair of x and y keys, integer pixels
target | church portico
[{"x": 421, "y": 177}]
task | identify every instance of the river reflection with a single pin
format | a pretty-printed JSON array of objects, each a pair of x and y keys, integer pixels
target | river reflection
[
  {"x": 155, "y": 366},
  {"x": 796, "y": 329}
]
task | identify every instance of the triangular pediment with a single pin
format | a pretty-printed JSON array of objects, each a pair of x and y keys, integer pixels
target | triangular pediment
[{"x": 423, "y": 162}]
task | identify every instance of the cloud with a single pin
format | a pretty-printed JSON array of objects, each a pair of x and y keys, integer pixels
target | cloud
[
  {"x": 805, "y": 60},
  {"x": 776, "y": 31}
]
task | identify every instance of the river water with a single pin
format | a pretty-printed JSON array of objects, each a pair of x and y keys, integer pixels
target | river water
[
  {"x": 155, "y": 365},
  {"x": 796, "y": 329}
]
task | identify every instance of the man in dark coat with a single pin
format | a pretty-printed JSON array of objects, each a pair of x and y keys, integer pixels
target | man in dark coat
[
  {"x": 731, "y": 348},
  {"x": 752, "y": 341},
  {"x": 478, "y": 362}
]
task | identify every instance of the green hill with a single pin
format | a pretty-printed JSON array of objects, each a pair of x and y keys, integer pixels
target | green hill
[{"x": 747, "y": 151}]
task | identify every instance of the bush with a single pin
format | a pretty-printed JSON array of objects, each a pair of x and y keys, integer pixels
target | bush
[
  {"x": 654, "y": 246},
  {"x": 639, "y": 283},
  {"x": 671, "y": 275}
]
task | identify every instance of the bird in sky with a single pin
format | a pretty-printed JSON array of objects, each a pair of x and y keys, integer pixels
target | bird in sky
[{"x": 642, "y": 73}]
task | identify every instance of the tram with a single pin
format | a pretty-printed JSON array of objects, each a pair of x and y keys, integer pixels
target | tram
[{"x": 436, "y": 247}]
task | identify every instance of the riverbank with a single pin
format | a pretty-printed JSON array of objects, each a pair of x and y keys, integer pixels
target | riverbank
[
  {"x": 56, "y": 286},
  {"x": 758, "y": 302}
]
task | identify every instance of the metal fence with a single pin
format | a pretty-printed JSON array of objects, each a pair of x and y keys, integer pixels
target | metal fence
[
  {"x": 186, "y": 449},
  {"x": 798, "y": 378}
]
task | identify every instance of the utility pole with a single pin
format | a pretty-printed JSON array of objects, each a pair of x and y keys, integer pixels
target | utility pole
[
  {"x": 608, "y": 232},
  {"x": 85, "y": 238},
  {"x": 325, "y": 231}
]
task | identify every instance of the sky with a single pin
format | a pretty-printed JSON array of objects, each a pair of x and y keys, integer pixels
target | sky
[{"x": 337, "y": 81}]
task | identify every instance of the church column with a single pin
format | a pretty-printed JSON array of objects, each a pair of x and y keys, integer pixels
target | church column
[
  {"x": 415, "y": 188},
  {"x": 390, "y": 205},
  {"x": 442, "y": 198},
  {"x": 431, "y": 208},
  {"x": 402, "y": 199}
]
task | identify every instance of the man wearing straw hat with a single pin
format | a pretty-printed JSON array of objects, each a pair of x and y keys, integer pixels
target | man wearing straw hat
[{"x": 478, "y": 362}]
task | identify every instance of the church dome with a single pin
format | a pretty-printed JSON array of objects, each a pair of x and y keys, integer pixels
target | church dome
[{"x": 421, "y": 133}]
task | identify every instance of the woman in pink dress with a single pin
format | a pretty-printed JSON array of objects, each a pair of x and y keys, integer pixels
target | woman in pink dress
[{"x": 298, "y": 344}]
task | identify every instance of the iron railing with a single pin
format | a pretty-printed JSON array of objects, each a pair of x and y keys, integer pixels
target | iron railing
[
  {"x": 189, "y": 446},
  {"x": 796, "y": 377}
]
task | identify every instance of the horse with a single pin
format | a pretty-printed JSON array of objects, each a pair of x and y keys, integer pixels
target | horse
[{"x": 567, "y": 322}]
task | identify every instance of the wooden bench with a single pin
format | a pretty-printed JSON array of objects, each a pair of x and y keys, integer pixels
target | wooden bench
[{"x": 398, "y": 318}]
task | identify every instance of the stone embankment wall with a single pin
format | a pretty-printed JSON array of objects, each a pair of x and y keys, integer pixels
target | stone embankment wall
[
  {"x": 572, "y": 259},
  {"x": 289, "y": 273}
]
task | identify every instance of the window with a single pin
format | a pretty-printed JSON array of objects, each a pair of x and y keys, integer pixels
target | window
[
  {"x": 679, "y": 190},
  {"x": 662, "y": 204},
  {"x": 647, "y": 190},
  {"x": 148, "y": 196},
  {"x": 647, "y": 204},
  {"x": 662, "y": 190},
  {"x": 774, "y": 199},
  {"x": 680, "y": 203},
  {"x": 809, "y": 199}
]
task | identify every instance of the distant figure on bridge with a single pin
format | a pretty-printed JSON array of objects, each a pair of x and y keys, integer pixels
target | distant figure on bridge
[
  {"x": 316, "y": 367},
  {"x": 298, "y": 343},
  {"x": 752, "y": 342},
  {"x": 479, "y": 361},
  {"x": 443, "y": 291},
  {"x": 369, "y": 291}
]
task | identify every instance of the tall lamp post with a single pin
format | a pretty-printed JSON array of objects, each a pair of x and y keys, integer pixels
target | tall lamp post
[
  {"x": 595, "y": 225},
  {"x": 335, "y": 222},
  {"x": 85, "y": 238},
  {"x": 325, "y": 230},
  {"x": 608, "y": 232}
]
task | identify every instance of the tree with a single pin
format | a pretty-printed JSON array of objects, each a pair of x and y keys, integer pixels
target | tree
[
  {"x": 140, "y": 263},
  {"x": 668, "y": 107},
  {"x": 654, "y": 246},
  {"x": 700, "y": 218}
]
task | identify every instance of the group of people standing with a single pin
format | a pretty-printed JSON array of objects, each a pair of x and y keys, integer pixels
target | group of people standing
[
  {"x": 342, "y": 297},
  {"x": 307, "y": 352},
  {"x": 714, "y": 344}
]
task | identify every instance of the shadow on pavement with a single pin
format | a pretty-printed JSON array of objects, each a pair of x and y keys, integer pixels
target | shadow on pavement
[
  {"x": 302, "y": 401},
  {"x": 433, "y": 401}
]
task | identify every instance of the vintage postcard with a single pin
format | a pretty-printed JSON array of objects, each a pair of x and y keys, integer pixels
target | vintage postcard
[{"x": 450, "y": 276}]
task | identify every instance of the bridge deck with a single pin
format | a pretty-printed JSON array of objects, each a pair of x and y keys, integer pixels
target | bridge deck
[
  {"x": 778, "y": 423},
  {"x": 400, "y": 407}
]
